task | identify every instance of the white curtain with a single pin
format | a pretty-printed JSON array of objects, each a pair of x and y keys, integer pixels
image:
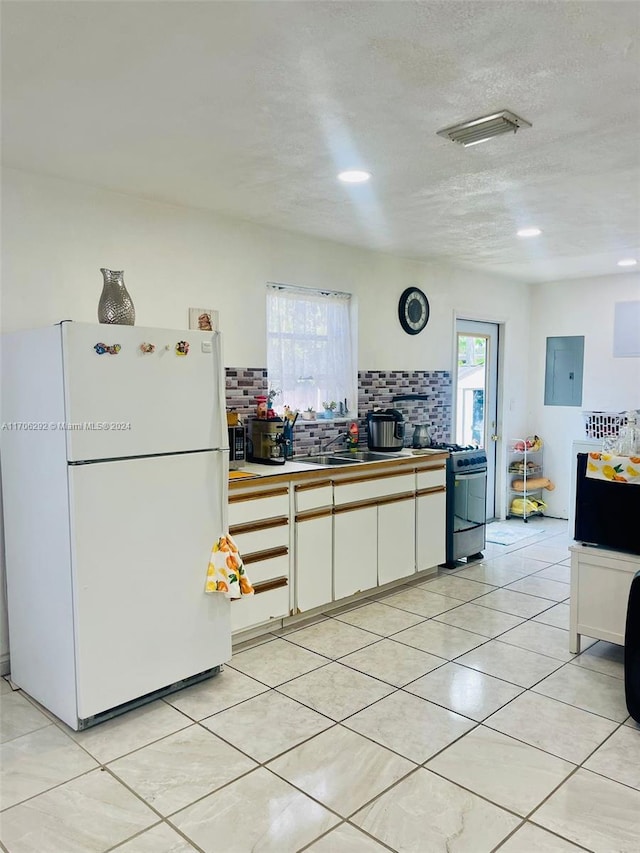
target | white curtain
[{"x": 309, "y": 348}]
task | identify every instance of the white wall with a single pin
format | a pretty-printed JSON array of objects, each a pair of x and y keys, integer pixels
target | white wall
[
  {"x": 580, "y": 307},
  {"x": 57, "y": 235}
]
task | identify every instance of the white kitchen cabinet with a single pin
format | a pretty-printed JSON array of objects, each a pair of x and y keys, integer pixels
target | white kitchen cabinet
[
  {"x": 396, "y": 538},
  {"x": 430, "y": 528},
  {"x": 259, "y": 524},
  {"x": 314, "y": 560},
  {"x": 600, "y": 585},
  {"x": 355, "y": 549}
]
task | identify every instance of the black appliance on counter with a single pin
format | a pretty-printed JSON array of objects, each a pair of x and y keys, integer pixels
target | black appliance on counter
[
  {"x": 466, "y": 518},
  {"x": 385, "y": 430},
  {"x": 607, "y": 513}
]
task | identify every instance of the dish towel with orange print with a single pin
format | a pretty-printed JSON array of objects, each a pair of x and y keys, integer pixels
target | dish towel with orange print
[
  {"x": 617, "y": 469},
  {"x": 226, "y": 573}
]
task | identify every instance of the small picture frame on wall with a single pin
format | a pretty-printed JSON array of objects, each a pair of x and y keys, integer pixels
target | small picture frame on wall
[{"x": 203, "y": 319}]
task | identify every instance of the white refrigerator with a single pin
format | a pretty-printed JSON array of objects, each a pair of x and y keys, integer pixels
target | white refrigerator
[{"x": 114, "y": 478}]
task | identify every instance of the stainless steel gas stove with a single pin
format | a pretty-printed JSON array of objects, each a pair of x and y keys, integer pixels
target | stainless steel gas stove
[{"x": 466, "y": 503}]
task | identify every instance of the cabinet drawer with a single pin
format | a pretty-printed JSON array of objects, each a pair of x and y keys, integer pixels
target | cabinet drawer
[
  {"x": 314, "y": 497},
  {"x": 272, "y": 534},
  {"x": 376, "y": 487},
  {"x": 258, "y": 608},
  {"x": 262, "y": 566},
  {"x": 429, "y": 479},
  {"x": 244, "y": 508}
]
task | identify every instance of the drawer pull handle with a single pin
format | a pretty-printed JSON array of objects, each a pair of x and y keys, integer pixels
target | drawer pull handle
[
  {"x": 268, "y": 554},
  {"x": 266, "y": 586}
]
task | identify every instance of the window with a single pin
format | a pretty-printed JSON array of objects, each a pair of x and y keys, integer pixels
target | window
[{"x": 310, "y": 352}]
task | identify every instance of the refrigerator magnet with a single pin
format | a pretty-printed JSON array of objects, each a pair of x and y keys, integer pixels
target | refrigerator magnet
[
  {"x": 101, "y": 349},
  {"x": 147, "y": 348},
  {"x": 182, "y": 348}
]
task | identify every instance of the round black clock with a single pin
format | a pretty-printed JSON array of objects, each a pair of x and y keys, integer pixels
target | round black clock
[{"x": 413, "y": 310}]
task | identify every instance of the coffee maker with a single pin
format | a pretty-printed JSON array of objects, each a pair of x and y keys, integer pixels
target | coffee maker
[{"x": 267, "y": 442}]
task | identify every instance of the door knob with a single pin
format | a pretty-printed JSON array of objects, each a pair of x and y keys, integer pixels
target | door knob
[{"x": 495, "y": 438}]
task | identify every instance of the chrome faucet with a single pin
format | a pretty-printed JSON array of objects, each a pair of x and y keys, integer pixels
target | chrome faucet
[{"x": 323, "y": 447}]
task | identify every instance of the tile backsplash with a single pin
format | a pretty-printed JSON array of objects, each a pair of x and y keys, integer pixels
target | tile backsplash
[{"x": 376, "y": 388}]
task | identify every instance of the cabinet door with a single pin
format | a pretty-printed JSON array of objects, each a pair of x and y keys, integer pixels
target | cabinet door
[
  {"x": 314, "y": 561},
  {"x": 430, "y": 529},
  {"x": 355, "y": 546},
  {"x": 396, "y": 539}
]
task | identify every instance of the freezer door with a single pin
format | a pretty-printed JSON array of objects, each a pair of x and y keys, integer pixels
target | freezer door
[
  {"x": 134, "y": 403},
  {"x": 142, "y": 532}
]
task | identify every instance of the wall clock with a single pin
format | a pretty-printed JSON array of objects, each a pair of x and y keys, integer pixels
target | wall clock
[{"x": 413, "y": 310}]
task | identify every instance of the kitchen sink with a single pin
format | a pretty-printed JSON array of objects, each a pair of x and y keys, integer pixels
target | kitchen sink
[
  {"x": 326, "y": 459},
  {"x": 365, "y": 455}
]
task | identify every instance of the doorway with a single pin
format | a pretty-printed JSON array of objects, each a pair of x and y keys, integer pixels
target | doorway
[{"x": 476, "y": 394}]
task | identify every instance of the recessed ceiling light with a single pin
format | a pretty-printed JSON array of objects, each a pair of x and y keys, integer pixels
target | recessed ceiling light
[
  {"x": 354, "y": 176},
  {"x": 529, "y": 232},
  {"x": 627, "y": 262}
]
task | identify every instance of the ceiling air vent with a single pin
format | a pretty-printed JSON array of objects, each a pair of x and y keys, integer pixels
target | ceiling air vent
[{"x": 480, "y": 129}]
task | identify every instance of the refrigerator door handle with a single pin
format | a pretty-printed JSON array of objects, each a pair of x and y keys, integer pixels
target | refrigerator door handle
[{"x": 222, "y": 400}]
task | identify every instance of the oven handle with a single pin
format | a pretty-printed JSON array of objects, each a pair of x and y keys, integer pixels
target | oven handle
[{"x": 475, "y": 475}]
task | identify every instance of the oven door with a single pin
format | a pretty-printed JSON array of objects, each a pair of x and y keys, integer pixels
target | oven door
[{"x": 469, "y": 501}]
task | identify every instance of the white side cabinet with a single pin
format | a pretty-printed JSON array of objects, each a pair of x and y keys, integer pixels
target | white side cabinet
[
  {"x": 600, "y": 584},
  {"x": 313, "y": 545},
  {"x": 396, "y": 538},
  {"x": 355, "y": 544}
]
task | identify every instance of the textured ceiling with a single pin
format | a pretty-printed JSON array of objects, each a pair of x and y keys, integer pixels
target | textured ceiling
[{"x": 251, "y": 108}]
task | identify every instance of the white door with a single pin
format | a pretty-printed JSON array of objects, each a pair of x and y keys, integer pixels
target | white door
[
  {"x": 476, "y": 394},
  {"x": 396, "y": 540},
  {"x": 143, "y": 531},
  {"x": 135, "y": 403}
]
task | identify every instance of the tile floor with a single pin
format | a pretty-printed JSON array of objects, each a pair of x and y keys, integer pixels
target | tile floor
[{"x": 446, "y": 715}]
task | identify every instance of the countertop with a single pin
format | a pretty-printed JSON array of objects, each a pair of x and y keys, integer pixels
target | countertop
[{"x": 291, "y": 467}]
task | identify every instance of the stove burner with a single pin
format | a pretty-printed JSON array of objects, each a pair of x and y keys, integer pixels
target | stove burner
[{"x": 452, "y": 448}]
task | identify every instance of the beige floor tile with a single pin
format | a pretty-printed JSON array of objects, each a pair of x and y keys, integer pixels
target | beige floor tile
[
  {"x": 439, "y": 639},
  {"x": 510, "y": 663},
  {"x": 276, "y": 662},
  {"x": 18, "y": 716},
  {"x": 517, "y": 560},
  {"x": 215, "y": 694},
  {"x": 558, "y": 616},
  {"x": 341, "y": 769},
  {"x": 177, "y": 770},
  {"x": 549, "y": 553},
  {"x": 258, "y": 812},
  {"x": 409, "y": 725},
  {"x": 460, "y": 588},
  {"x": 515, "y": 603},
  {"x": 479, "y": 620},
  {"x": 158, "y": 839},
  {"x": 87, "y": 815},
  {"x": 421, "y": 602},
  {"x": 267, "y": 725},
  {"x": 493, "y": 572},
  {"x": 464, "y": 690},
  {"x": 332, "y": 638},
  {"x": 130, "y": 731},
  {"x": 532, "y": 839},
  {"x": 543, "y": 639},
  {"x": 5, "y": 687},
  {"x": 346, "y": 839},
  {"x": 541, "y": 588},
  {"x": 561, "y": 729},
  {"x": 632, "y": 723},
  {"x": 380, "y": 619},
  {"x": 559, "y": 572},
  {"x": 392, "y": 662},
  {"x": 37, "y": 761},
  {"x": 619, "y": 757},
  {"x": 602, "y": 815},
  {"x": 427, "y": 814},
  {"x": 335, "y": 690},
  {"x": 607, "y": 658},
  {"x": 504, "y": 770},
  {"x": 591, "y": 691}
]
